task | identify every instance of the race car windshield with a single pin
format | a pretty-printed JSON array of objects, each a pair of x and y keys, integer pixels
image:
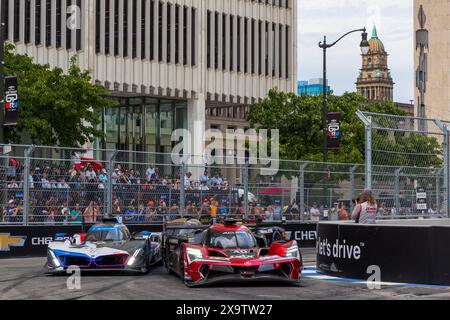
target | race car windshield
[
  {"x": 106, "y": 234},
  {"x": 229, "y": 240}
]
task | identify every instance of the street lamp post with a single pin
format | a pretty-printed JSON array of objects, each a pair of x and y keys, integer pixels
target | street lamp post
[
  {"x": 364, "y": 45},
  {"x": 2, "y": 74}
]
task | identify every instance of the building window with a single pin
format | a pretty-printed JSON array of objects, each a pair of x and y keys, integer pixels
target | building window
[
  {"x": 185, "y": 26},
  {"x": 48, "y": 24},
  {"x": 116, "y": 28},
  {"x": 5, "y": 18},
  {"x": 143, "y": 30},
  {"x": 169, "y": 31},
  {"x": 208, "y": 39},
  {"x": 160, "y": 29},
  {"x": 107, "y": 27},
  {"x": 125, "y": 28},
  {"x": 37, "y": 23},
  {"x": 239, "y": 62},
  {"x": 246, "y": 39},
  {"x": 177, "y": 33},
  {"x": 27, "y": 21},
  {"x": 78, "y": 31},
  {"x": 97, "y": 26},
  {"x": 59, "y": 23},
  {"x": 16, "y": 20},
  {"x": 194, "y": 36},
  {"x": 134, "y": 30}
]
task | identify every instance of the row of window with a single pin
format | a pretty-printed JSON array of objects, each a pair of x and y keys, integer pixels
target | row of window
[
  {"x": 157, "y": 31},
  {"x": 38, "y": 22},
  {"x": 280, "y": 3},
  {"x": 241, "y": 44},
  {"x": 164, "y": 31}
]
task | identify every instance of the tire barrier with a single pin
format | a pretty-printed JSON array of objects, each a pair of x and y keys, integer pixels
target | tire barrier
[
  {"x": 32, "y": 241},
  {"x": 404, "y": 251}
]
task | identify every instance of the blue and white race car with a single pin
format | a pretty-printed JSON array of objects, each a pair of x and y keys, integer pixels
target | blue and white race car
[{"x": 106, "y": 246}]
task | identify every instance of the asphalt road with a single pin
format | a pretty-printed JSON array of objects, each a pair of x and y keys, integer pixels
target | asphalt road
[{"x": 24, "y": 279}]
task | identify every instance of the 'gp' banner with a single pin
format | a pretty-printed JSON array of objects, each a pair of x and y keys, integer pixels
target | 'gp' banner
[
  {"x": 334, "y": 130},
  {"x": 11, "y": 101}
]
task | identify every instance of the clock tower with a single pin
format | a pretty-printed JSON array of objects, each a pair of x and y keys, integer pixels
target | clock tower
[{"x": 374, "y": 81}]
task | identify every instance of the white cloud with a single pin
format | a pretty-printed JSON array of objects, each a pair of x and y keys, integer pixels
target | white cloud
[{"x": 394, "y": 21}]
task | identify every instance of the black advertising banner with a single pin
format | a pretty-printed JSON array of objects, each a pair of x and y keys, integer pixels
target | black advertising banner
[
  {"x": 11, "y": 101},
  {"x": 17, "y": 241},
  {"x": 413, "y": 253},
  {"x": 334, "y": 130}
]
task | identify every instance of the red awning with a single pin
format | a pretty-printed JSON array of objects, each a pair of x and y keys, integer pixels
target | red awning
[{"x": 85, "y": 162}]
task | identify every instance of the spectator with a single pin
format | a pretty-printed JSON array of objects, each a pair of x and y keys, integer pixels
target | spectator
[
  {"x": 204, "y": 179},
  {"x": 75, "y": 216},
  {"x": 150, "y": 211},
  {"x": 295, "y": 211},
  {"x": 88, "y": 213},
  {"x": 334, "y": 212},
  {"x": 382, "y": 209},
  {"x": 174, "y": 210},
  {"x": 223, "y": 210},
  {"x": 13, "y": 184},
  {"x": 314, "y": 212},
  {"x": 62, "y": 213},
  {"x": 150, "y": 174},
  {"x": 277, "y": 211},
  {"x": 63, "y": 190},
  {"x": 205, "y": 208},
  {"x": 187, "y": 180},
  {"x": 116, "y": 207},
  {"x": 366, "y": 209},
  {"x": 433, "y": 212},
  {"x": 343, "y": 214},
  {"x": 140, "y": 217},
  {"x": 213, "y": 209}
]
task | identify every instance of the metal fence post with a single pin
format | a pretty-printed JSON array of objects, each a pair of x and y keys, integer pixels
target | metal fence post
[
  {"x": 246, "y": 214},
  {"x": 438, "y": 189},
  {"x": 26, "y": 184},
  {"x": 446, "y": 171},
  {"x": 352, "y": 186},
  {"x": 182, "y": 190},
  {"x": 302, "y": 191},
  {"x": 109, "y": 193},
  {"x": 397, "y": 190},
  {"x": 368, "y": 136},
  {"x": 445, "y": 146}
]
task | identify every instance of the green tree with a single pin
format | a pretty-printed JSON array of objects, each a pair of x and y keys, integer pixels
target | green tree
[
  {"x": 299, "y": 120},
  {"x": 55, "y": 108}
]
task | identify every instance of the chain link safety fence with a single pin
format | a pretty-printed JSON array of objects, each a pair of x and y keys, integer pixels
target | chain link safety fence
[
  {"x": 58, "y": 186},
  {"x": 407, "y": 165},
  {"x": 404, "y": 167}
]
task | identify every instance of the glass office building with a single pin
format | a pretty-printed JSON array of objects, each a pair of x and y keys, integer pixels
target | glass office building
[{"x": 142, "y": 124}]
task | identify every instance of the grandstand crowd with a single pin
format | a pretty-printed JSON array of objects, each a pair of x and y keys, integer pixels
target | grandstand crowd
[{"x": 77, "y": 194}]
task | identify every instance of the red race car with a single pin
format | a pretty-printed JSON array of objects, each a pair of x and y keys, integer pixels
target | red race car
[{"x": 228, "y": 252}]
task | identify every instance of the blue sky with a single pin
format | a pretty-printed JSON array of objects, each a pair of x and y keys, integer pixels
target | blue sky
[{"x": 394, "y": 21}]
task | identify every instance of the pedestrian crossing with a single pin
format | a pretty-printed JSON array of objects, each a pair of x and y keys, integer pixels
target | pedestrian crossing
[{"x": 311, "y": 272}]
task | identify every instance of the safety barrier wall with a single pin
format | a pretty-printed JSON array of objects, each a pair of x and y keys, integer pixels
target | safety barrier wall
[
  {"x": 29, "y": 241},
  {"x": 404, "y": 253}
]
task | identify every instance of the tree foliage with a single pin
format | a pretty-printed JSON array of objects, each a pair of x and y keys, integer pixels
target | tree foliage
[
  {"x": 55, "y": 108},
  {"x": 299, "y": 120}
]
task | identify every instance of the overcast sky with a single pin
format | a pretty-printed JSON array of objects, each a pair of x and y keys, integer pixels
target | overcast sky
[{"x": 394, "y": 21}]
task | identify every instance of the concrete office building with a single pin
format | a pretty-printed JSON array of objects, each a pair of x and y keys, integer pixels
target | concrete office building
[
  {"x": 166, "y": 61},
  {"x": 437, "y": 63}
]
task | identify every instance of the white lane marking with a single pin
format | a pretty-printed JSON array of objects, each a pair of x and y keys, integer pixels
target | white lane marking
[{"x": 310, "y": 272}]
